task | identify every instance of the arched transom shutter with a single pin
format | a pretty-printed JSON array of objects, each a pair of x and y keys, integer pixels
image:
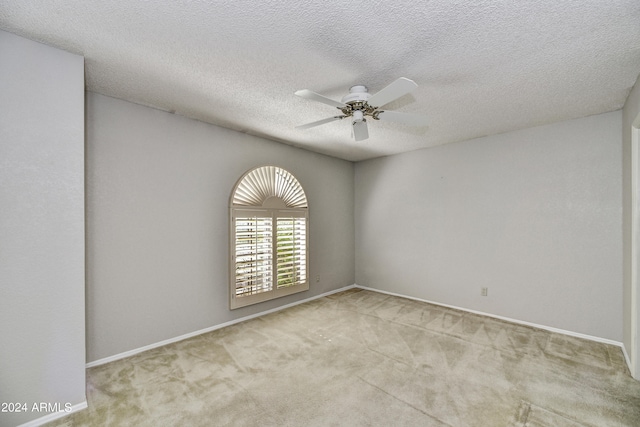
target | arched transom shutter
[
  {"x": 264, "y": 183},
  {"x": 269, "y": 237}
]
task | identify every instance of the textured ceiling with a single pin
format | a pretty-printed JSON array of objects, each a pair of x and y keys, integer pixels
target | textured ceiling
[{"x": 483, "y": 67}]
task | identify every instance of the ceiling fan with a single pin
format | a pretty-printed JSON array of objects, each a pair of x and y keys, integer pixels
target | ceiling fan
[{"x": 359, "y": 104}]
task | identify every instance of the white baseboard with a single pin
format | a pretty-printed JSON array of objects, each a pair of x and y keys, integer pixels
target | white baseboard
[
  {"x": 508, "y": 319},
  {"x": 209, "y": 329},
  {"x": 627, "y": 359},
  {"x": 55, "y": 415}
]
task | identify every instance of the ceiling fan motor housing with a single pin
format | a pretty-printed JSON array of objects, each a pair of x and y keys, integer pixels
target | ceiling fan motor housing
[{"x": 357, "y": 93}]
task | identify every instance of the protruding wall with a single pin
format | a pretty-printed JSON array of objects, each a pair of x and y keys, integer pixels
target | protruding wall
[{"x": 42, "y": 324}]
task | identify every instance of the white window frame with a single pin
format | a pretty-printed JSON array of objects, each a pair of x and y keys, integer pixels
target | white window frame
[{"x": 268, "y": 205}]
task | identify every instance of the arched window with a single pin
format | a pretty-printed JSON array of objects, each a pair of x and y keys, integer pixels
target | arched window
[{"x": 269, "y": 237}]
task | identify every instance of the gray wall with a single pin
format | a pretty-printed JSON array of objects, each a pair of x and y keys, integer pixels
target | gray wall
[
  {"x": 42, "y": 355},
  {"x": 534, "y": 215},
  {"x": 630, "y": 113},
  {"x": 158, "y": 189}
]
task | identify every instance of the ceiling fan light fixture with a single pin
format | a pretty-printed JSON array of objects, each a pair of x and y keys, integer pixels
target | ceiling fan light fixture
[{"x": 358, "y": 116}]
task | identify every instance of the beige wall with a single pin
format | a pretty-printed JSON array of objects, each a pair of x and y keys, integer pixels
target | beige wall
[
  {"x": 158, "y": 189},
  {"x": 534, "y": 215},
  {"x": 42, "y": 355}
]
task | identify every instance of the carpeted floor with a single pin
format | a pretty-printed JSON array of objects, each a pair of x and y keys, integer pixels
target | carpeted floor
[{"x": 362, "y": 358}]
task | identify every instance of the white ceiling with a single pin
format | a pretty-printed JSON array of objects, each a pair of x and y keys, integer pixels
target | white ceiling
[{"x": 483, "y": 67}]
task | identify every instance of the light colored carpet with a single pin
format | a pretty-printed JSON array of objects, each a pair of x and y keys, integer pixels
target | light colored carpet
[{"x": 362, "y": 358}]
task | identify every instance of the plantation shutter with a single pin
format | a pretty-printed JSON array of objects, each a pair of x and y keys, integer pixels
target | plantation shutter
[
  {"x": 253, "y": 255},
  {"x": 292, "y": 251},
  {"x": 269, "y": 237}
]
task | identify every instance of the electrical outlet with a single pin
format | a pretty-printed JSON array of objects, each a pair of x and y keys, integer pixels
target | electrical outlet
[
  {"x": 317, "y": 278},
  {"x": 484, "y": 292}
]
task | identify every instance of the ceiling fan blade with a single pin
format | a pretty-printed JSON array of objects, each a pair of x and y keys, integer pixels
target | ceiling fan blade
[
  {"x": 360, "y": 130},
  {"x": 307, "y": 94},
  {"x": 320, "y": 122},
  {"x": 395, "y": 90},
  {"x": 406, "y": 118}
]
